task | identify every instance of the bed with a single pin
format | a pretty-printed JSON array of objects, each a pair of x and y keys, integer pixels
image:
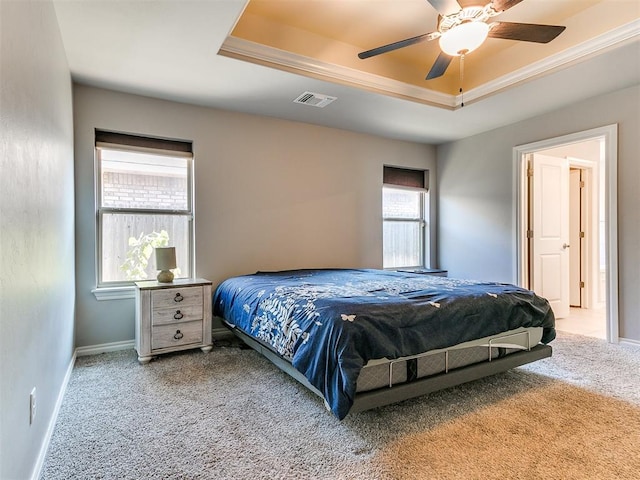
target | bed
[{"x": 362, "y": 338}]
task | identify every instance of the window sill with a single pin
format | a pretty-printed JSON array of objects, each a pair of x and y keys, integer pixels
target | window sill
[{"x": 114, "y": 293}]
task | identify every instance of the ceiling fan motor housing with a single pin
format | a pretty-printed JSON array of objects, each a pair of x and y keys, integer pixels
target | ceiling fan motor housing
[{"x": 467, "y": 14}]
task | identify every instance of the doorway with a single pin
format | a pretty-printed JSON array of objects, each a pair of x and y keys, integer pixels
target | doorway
[{"x": 566, "y": 228}]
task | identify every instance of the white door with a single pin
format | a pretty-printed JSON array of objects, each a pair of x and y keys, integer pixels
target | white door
[{"x": 550, "y": 225}]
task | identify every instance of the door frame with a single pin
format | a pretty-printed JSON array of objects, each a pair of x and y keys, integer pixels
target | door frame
[
  {"x": 588, "y": 211},
  {"x": 577, "y": 225},
  {"x": 609, "y": 134}
]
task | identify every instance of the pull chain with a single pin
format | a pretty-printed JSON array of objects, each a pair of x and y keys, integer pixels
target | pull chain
[{"x": 461, "y": 80}]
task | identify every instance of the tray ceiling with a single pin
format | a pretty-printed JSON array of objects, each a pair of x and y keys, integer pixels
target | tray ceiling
[{"x": 321, "y": 39}]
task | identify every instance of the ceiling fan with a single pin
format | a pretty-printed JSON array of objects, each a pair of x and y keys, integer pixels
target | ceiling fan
[{"x": 463, "y": 29}]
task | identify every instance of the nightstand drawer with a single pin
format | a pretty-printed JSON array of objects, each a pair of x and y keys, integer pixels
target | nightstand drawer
[
  {"x": 176, "y": 334},
  {"x": 180, "y": 313},
  {"x": 170, "y": 297}
]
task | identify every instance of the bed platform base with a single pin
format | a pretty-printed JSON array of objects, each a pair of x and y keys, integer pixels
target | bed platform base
[
  {"x": 422, "y": 386},
  {"x": 404, "y": 391}
]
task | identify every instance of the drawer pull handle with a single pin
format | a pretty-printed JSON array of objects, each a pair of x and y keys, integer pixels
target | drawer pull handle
[
  {"x": 178, "y": 315},
  {"x": 178, "y": 297},
  {"x": 178, "y": 335}
]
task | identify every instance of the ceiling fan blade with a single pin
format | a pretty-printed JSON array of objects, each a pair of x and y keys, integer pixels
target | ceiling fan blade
[
  {"x": 396, "y": 45},
  {"x": 525, "y": 32},
  {"x": 502, "y": 5},
  {"x": 446, "y": 7},
  {"x": 439, "y": 66}
]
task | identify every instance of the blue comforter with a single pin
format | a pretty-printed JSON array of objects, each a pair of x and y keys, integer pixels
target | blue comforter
[{"x": 330, "y": 323}]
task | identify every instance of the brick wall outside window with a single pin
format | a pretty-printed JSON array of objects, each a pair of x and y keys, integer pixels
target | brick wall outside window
[{"x": 130, "y": 190}]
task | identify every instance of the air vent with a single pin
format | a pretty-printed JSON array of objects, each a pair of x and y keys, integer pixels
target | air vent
[{"x": 314, "y": 99}]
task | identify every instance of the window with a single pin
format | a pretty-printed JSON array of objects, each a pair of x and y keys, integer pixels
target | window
[
  {"x": 404, "y": 207},
  {"x": 144, "y": 200}
]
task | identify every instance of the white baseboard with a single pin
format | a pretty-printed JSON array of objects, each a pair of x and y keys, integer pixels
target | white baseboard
[
  {"x": 104, "y": 348},
  {"x": 130, "y": 344},
  {"x": 42, "y": 455},
  {"x": 629, "y": 341}
]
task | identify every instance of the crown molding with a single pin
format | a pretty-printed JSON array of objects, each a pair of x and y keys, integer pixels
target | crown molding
[
  {"x": 242, "y": 49},
  {"x": 253, "y": 52},
  {"x": 580, "y": 52}
]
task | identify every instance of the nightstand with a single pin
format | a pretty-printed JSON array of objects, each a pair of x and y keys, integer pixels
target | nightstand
[{"x": 172, "y": 316}]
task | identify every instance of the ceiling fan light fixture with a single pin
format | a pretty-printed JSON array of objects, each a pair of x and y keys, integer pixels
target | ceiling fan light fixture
[{"x": 464, "y": 38}]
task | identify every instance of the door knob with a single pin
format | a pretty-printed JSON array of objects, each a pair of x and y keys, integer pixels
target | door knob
[{"x": 565, "y": 246}]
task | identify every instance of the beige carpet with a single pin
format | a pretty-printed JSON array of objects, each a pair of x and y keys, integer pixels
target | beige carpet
[
  {"x": 231, "y": 414},
  {"x": 556, "y": 432}
]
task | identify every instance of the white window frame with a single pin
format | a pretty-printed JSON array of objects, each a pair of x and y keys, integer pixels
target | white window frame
[
  {"x": 423, "y": 220},
  {"x": 125, "y": 289}
]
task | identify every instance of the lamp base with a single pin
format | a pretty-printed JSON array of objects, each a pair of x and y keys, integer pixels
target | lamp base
[{"x": 165, "y": 276}]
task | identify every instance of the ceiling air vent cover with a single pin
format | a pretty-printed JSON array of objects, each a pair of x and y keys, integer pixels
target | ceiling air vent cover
[{"x": 314, "y": 99}]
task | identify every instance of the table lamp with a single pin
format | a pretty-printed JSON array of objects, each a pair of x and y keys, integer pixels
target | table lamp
[{"x": 165, "y": 261}]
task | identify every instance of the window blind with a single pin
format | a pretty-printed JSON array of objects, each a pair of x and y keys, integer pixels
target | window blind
[
  {"x": 113, "y": 138},
  {"x": 405, "y": 177}
]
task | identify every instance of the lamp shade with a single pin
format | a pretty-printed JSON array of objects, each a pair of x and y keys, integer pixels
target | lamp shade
[
  {"x": 464, "y": 38},
  {"x": 165, "y": 258}
]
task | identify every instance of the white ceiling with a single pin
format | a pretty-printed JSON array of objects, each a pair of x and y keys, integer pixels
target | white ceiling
[{"x": 168, "y": 49}]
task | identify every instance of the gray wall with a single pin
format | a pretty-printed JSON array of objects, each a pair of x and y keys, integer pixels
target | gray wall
[
  {"x": 476, "y": 181},
  {"x": 270, "y": 194},
  {"x": 36, "y": 229}
]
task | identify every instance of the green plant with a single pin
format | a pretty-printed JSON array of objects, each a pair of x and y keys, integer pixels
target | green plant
[{"x": 140, "y": 250}]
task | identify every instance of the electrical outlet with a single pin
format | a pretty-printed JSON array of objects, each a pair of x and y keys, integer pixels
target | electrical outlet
[{"x": 32, "y": 405}]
